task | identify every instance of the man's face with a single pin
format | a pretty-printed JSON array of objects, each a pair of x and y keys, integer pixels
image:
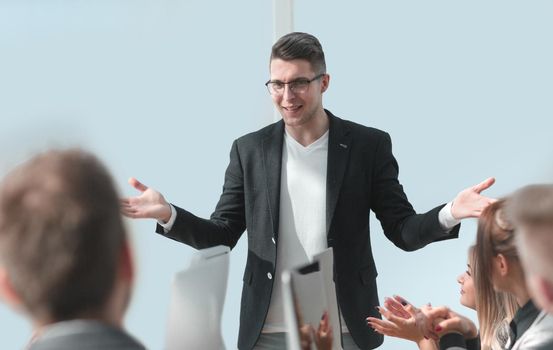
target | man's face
[{"x": 298, "y": 109}]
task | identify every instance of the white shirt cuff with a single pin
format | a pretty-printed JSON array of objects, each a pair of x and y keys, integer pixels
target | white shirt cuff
[
  {"x": 446, "y": 219},
  {"x": 167, "y": 226}
]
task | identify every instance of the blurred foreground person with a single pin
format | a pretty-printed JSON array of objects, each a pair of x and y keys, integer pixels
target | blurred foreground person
[
  {"x": 64, "y": 256},
  {"x": 532, "y": 212}
]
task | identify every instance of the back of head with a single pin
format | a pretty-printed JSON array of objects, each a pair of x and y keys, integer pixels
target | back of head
[
  {"x": 300, "y": 46},
  {"x": 532, "y": 206},
  {"x": 60, "y": 234},
  {"x": 494, "y": 308},
  {"x": 531, "y": 209}
]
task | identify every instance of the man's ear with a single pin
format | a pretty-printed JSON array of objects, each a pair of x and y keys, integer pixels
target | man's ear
[
  {"x": 7, "y": 291},
  {"x": 325, "y": 81},
  {"x": 546, "y": 290},
  {"x": 126, "y": 263}
]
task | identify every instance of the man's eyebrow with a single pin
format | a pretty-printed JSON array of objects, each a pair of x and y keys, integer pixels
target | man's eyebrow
[{"x": 295, "y": 79}]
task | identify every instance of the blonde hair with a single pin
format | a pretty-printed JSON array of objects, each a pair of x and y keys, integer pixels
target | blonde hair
[{"x": 494, "y": 308}]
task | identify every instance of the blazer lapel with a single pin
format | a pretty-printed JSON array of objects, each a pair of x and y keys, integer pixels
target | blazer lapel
[
  {"x": 272, "y": 164},
  {"x": 339, "y": 145}
]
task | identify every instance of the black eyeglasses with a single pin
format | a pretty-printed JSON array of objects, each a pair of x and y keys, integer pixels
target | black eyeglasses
[{"x": 298, "y": 86}]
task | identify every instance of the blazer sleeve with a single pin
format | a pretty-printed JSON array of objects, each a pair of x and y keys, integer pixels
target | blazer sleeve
[
  {"x": 401, "y": 224},
  {"x": 226, "y": 224}
]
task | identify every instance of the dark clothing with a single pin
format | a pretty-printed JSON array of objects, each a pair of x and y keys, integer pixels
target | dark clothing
[
  {"x": 455, "y": 341},
  {"x": 362, "y": 175},
  {"x": 524, "y": 317},
  {"x": 84, "y": 335}
]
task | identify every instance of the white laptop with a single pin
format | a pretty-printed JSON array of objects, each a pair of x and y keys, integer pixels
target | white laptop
[
  {"x": 309, "y": 291},
  {"x": 197, "y": 299}
]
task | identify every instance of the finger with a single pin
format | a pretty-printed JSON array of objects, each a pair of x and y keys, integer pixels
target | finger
[
  {"x": 407, "y": 306},
  {"x": 384, "y": 312},
  {"x": 447, "y": 326},
  {"x": 401, "y": 300},
  {"x": 137, "y": 184},
  {"x": 383, "y": 329},
  {"x": 382, "y": 323},
  {"x": 323, "y": 324},
  {"x": 396, "y": 308},
  {"x": 411, "y": 310},
  {"x": 131, "y": 214},
  {"x": 391, "y": 317},
  {"x": 484, "y": 185},
  {"x": 440, "y": 311},
  {"x": 126, "y": 206}
]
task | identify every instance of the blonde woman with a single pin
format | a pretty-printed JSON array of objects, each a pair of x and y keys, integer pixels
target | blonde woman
[
  {"x": 401, "y": 317},
  {"x": 497, "y": 260},
  {"x": 495, "y": 299}
]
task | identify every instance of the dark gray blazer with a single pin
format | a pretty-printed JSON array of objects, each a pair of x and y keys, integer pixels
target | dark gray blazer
[
  {"x": 84, "y": 335},
  {"x": 362, "y": 175}
]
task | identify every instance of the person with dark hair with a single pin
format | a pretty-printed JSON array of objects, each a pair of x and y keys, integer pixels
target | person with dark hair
[
  {"x": 300, "y": 185},
  {"x": 65, "y": 260}
]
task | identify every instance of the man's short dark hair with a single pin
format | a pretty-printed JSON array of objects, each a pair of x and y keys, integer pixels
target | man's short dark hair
[
  {"x": 302, "y": 46},
  {"x": 61, "y": 234}
]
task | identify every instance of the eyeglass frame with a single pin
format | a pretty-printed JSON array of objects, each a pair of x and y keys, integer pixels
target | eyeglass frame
[{"x": 291, "y": 87}]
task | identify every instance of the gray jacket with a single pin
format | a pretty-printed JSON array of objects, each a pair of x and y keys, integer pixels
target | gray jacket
[
  {"x": 539, "y": 336},
  {"x": 84, "y": 335}
]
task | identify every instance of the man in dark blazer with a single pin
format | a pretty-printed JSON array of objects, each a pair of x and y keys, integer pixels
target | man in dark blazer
[
  {"x": 277, "y": 190},
  {"x": 64, "y": 256}
]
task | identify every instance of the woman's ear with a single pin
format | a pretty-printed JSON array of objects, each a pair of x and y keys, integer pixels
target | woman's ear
[{"x": 501, "y": 265}]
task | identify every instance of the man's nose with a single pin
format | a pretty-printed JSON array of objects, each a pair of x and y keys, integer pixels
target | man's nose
[{"x": 288, "y": 94}]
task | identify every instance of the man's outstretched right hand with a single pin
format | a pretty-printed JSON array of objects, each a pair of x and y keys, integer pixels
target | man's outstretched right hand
[{"x": 150, "y": 204}]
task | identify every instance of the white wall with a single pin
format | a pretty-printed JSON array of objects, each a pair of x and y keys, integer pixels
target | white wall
[
  {"x": 159, "y": 89},
  {"x": 465, "y": 90}
]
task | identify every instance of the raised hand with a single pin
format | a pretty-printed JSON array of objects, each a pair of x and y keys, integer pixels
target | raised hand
[
  {"x": 402, "y": 308},
  {"x": 401, "y": 322},
  {"x": 150, "y": 204},
  {"x": 395, "y": 326},
  {"x": 469, "y": 203}
]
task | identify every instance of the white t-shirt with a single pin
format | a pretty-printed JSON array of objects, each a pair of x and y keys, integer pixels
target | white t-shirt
[{"x": 302, "y": 219}]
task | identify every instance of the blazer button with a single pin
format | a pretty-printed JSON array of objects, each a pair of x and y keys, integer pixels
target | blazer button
[{"x": 269, "y": 275}]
